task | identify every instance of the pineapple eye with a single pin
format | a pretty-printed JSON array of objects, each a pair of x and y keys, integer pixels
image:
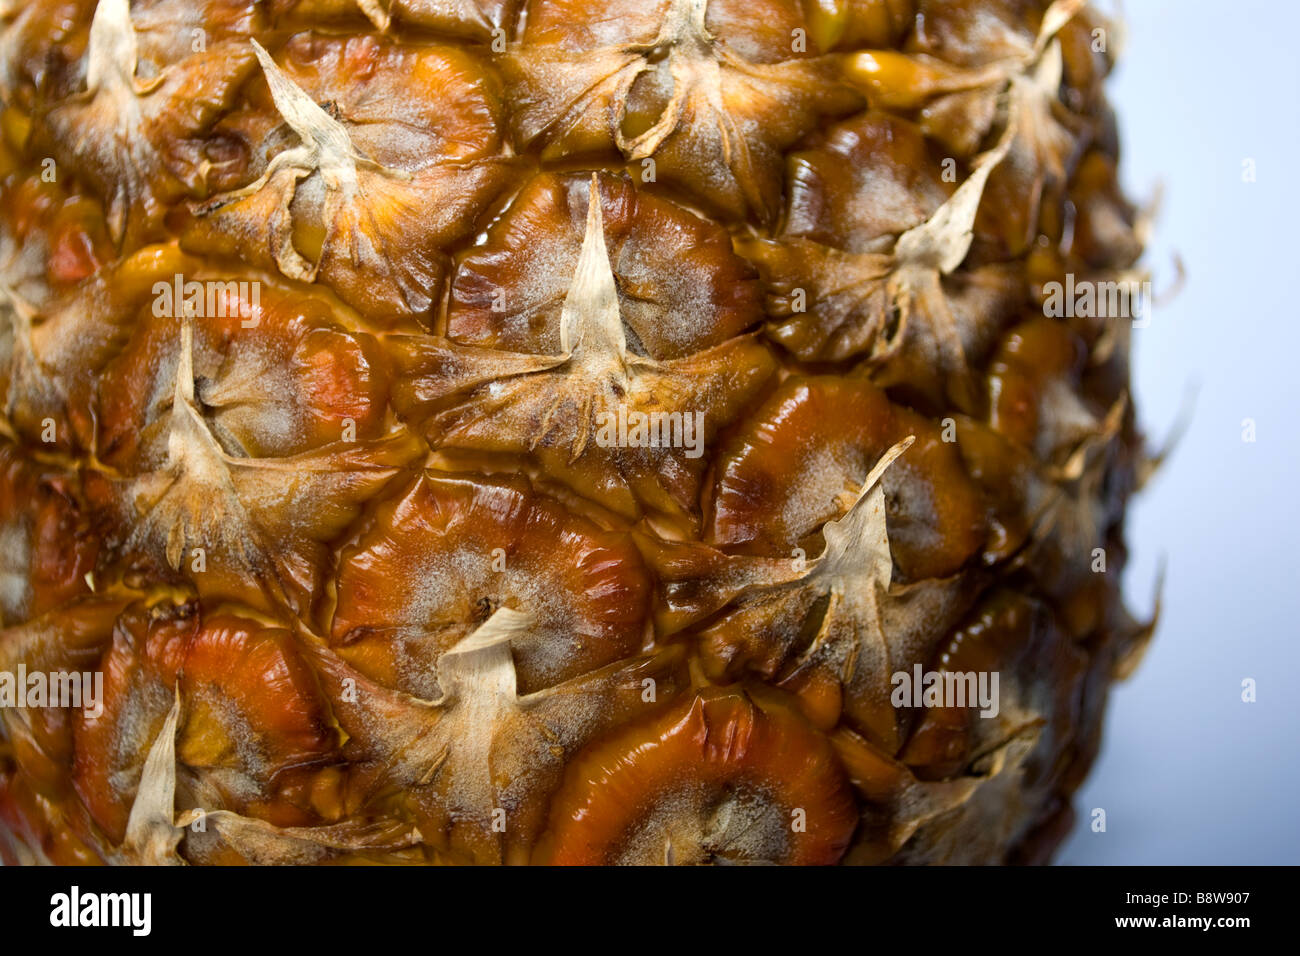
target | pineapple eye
[{"x": 704, "y": 783}]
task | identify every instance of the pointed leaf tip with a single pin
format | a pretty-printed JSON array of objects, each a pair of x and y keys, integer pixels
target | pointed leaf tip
[
  {"x": 111, "y": 53},
  {"x": 319, "y": 131},
  {"x": 859, "y": 538},
  {"x": 1057, "y": 16},
  {"x": 151, "y": 833},
  {"x": 943, "y": 240},
  {"x": 591, "y": 304},
  {"x": 887, "y": 459}
]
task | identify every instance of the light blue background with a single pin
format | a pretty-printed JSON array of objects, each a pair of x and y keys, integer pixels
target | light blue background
[{"x": 1188, "y": 773}]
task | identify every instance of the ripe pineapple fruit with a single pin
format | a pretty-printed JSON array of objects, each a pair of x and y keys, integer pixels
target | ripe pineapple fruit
[{"x": 331, "y": 333}]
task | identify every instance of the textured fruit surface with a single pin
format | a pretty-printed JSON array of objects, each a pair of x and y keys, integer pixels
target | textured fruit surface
[{"x": 540, "y": 431}]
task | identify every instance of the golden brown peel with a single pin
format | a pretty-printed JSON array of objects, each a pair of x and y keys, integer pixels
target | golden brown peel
[
  {"x": 508, "y": 431},
  {"x": 718, "y": 779}
]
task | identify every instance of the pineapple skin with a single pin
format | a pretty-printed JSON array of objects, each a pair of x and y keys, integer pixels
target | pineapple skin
[{"x": 371, "y": 566}]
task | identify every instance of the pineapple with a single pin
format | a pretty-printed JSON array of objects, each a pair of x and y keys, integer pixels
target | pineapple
[{"x": 509, "y": 431}]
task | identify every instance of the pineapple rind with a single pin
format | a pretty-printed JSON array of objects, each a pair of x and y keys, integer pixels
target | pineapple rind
[{"x": 334, "y": 338}]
